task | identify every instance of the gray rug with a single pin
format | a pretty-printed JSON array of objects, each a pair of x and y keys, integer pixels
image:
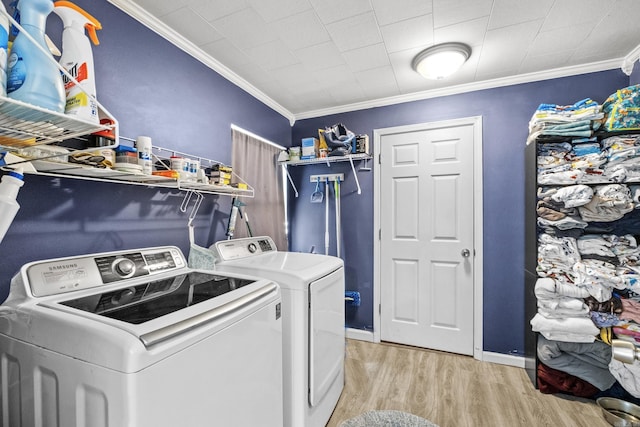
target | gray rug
[{"x": 387, "y": 419}]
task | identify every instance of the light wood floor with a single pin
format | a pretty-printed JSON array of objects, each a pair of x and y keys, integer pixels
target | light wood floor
[{"x": 452, "y": 390}]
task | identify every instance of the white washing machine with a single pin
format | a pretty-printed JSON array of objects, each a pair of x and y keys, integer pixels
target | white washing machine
[
  {"x": 137, "y": 339},
  {"x": 312, "y": 289}
]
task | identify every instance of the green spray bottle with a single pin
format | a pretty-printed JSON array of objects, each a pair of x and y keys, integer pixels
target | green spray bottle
[{"x": 77, "y": 59}]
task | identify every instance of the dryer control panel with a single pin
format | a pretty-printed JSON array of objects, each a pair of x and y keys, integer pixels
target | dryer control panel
[
  {"x": 227, "y": 250},
  {"x": 63, "y": 275}
]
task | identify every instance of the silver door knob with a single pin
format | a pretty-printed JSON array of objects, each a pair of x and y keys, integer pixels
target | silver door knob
[{"x": 465, "y": 253}]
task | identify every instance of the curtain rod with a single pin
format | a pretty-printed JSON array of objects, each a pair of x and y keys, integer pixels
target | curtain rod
[{"x": 253, "y": 135}]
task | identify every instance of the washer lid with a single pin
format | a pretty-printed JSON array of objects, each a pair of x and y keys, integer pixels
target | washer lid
[
  {"x": 288, "y": 269},
  {"x": 150, "y": 300}
]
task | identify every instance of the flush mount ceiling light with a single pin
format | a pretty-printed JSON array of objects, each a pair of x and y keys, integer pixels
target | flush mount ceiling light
[{"x": 442, "y": 60}]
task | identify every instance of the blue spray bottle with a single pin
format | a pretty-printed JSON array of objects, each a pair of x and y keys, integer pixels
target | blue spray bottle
[{"x": 32, "y": 74}]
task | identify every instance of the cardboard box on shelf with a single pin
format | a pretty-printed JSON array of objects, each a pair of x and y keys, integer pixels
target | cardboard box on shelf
[{"x": 309, "y": 148}]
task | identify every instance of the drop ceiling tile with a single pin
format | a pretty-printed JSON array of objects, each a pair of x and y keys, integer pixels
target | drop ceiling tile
[
  {"x": 576, "y": 12},
  {"x": 338, "y": 10},
  {"x": 510, "y": 12},
  {"x": 256, "y": 76},
  {"x": 599, "y": 42},
  {"x": 606, "y": 41},
  {"x": 273, "y": 10},
  {"x": 234, "y": 27},
  {"x": 368, "y": 57},
  {"x": 408, "y": 34},
  {"x": 388, "y": 12},
  {"x": 224, "y": 52},
  {"x": 216, "y": 9},
  {"x": 161, "y": 7},
  {"x": 302, "y": 30},
  {"x": 544, "y": 62},
  {"x": 296, "y": 76},
  {"x": 272, "y": 55},
  {"x": 558, "y": 40},
  {"x": 355, "y": 32},
  {"x": 192, "y": 26},
  {"x": 340, "y": 74},
  {"x": 468, "y": 32},
  {"x": 378, "y": 81},
  {"x": 449, "y": 12},
  {"x": 346, "y": 94},
  {"x": 502, "y": 49},
  {"x": 320, "y": 56}
]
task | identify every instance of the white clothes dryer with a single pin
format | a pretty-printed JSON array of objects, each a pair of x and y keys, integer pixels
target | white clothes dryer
[
  {"x": 137, "y": 339},
  {"x": 313, "y": 319}
]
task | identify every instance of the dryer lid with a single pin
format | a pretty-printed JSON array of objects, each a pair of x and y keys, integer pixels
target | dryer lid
[{"x": 289, "y": 269}]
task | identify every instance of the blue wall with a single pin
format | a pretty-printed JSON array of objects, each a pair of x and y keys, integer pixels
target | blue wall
[
  {"x": 506, "y": 112},
  {"x": 155, "y": 89}
]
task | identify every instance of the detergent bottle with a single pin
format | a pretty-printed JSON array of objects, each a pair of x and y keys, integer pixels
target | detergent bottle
[
  {"x": 32, "y": 75},
  {"x": 9, "y": 186},
  {"x": 4, "y": 44},
  {"x": 77, "y": 59}
]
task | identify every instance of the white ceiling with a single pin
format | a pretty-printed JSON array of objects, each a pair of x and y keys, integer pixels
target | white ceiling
[{"x": 310, "y": 57}]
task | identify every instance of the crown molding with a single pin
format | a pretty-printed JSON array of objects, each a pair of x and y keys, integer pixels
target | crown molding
[
  {"x": 630, "y": 60},
  {"x": 164, "y": 31},
  {"x": 467, "y": 87}
]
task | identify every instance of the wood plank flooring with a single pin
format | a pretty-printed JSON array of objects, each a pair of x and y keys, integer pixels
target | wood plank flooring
[{"x": 452, "y": 390}]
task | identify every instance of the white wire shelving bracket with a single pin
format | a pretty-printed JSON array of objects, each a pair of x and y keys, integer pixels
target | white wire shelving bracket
[{"x": 328, "y": 160}]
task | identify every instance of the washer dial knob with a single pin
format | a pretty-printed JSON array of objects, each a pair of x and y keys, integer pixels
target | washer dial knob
[
  {"x": 252, "y": 248},
  {"x": 124, "y": 267}
]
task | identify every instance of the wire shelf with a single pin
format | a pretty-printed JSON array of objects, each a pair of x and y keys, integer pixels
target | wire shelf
[
  {"x": 327, "y": 160},
  {"x": 24, "y": 125}
]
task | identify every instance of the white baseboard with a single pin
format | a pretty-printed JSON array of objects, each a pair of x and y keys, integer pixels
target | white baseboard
[
  {"x": 359, "y": 334},
  {"x": 503, "y": 359}
]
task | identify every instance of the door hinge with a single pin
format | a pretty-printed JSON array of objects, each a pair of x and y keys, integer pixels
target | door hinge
[
  {"x": 379, "y": 159},
  {"x": 379, "y": 233},
  {"x": 380, "y": 309}
]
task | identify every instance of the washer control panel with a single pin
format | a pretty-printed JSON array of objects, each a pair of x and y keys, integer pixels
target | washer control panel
[
  {"x": 70, "y": 274},
  {"x": 227, "y": 250}
]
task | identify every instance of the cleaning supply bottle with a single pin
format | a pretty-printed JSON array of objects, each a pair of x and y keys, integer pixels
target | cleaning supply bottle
[
  {"x": 4, "y": 45},
  {"x": 32, "y": 75},
  {"x": 9, "y": 186},
  {"x": 77, "y": 59},
  {"x": 144, "y": 147}
]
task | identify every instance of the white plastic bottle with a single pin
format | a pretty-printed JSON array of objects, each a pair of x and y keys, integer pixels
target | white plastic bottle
[
  {"x": 9, "y": 187},
  {"x": 143, "y": 144},
  {"x": 77, "y": 59}
]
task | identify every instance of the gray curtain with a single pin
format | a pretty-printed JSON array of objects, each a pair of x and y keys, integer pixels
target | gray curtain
[{"x": 256, "y": 162}]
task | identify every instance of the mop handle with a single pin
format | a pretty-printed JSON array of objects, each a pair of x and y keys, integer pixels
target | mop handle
[
  {"x": 326, "y": 218},
  {"x": 336, "y": 191}
]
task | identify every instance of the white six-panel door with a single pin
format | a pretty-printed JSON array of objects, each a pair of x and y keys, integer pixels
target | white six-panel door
[{"x": 427, "y": 237}]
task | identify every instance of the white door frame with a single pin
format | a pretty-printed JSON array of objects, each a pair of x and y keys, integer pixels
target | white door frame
[{"x": 477, "y": 260}]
